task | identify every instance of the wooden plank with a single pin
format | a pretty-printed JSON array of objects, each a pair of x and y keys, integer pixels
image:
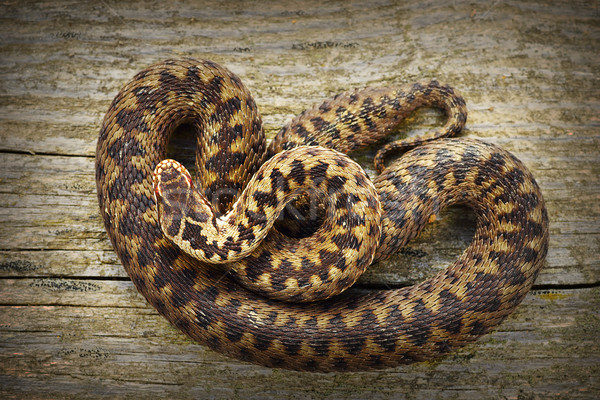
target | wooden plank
[
  {"x": 73, "y": 326},
  {"x": 87, "y": 344}
]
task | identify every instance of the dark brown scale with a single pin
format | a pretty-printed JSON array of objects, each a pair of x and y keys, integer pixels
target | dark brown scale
[{"x": 354, "y": 330}]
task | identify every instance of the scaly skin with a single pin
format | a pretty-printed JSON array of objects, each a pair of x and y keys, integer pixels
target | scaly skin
[{"x": 354, "y": 330}]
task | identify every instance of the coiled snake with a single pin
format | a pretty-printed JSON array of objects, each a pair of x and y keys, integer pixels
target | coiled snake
[{"x": 362, "y": 222}]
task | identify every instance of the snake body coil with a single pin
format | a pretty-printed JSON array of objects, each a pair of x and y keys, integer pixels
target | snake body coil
[{"x": 353, "y": 330}]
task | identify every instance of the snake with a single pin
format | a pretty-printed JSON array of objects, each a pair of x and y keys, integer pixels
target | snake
[{"x": 242, "y": 183}]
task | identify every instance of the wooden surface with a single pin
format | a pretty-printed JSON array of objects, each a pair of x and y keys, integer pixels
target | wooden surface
[{"x": 73, "y": 326}]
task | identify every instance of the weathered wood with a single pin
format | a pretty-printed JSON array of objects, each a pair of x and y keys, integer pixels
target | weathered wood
[
  {"x": 95, "y": 337},
  {"x": 72, "y": 324}
]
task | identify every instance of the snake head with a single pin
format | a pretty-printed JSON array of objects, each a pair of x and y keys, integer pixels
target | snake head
[
  {"x": 179, "y": 206},
  {"x": 171, "y": 182}
]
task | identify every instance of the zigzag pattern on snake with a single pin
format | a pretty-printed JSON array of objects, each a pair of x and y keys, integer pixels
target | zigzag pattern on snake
[{"x": 353, "y": 330}]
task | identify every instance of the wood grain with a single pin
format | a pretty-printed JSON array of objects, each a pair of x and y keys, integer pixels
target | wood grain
[{"x": 72, "y": 324}]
